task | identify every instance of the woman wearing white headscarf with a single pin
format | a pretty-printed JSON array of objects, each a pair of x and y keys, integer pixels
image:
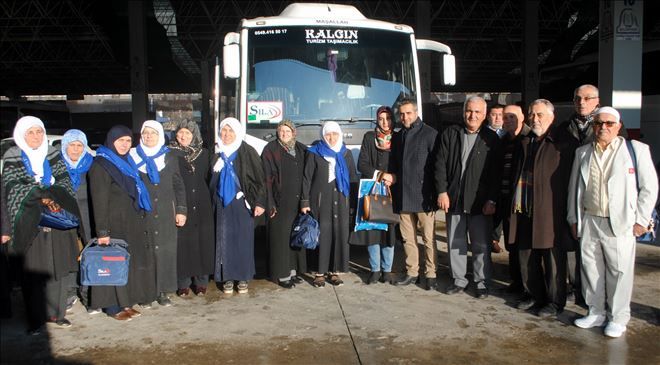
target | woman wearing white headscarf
[
  {"x": 239, "y": 194},
  {"x": 34, "y": 175},
  {"x": 159, "y": 171},
  {"x": 329, "y": 170}
]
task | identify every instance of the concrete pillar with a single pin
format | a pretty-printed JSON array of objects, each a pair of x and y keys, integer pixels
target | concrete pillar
[
  {"x": 620, "y": 59},
  {"x": 138, "y": 59},
  {"x": 423, "y": 31},
  {"x": 206, "y": 128},
  {"x": 530, "y": 51}
]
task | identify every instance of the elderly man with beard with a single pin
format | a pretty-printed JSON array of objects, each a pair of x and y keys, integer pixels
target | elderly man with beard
[
  {"x": 613, "y": 188},
  {"x": 538, "y": 216}
]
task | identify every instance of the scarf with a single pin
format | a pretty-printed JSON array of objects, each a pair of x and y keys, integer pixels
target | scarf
[
  {"x": 523, "y": 200},
  {"x": 35, "y": 156},
  {"x": 127, "y": 168},
  {"x": 76, "y": 172},
  {"x": 81, "y": 166},
  {"x": 338, "y": 169},
  {"x": 289, "y": 147},
  {"x": 46, "y": 170},
  {"x": 194, "y": 149},
  {"x": 581, "y": 126},
  {"x": 383, "y": 139},
  {"x": 228, "y": 184},
  {"x": 150, "y": 161}
]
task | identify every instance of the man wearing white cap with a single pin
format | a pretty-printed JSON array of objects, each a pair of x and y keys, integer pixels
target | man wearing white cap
[{"x": 610, "y": 201}]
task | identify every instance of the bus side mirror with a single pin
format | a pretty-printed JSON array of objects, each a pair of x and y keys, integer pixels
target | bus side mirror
[
  {"x": 448, "y": 69},
  {"x": 231, "y": 64}
]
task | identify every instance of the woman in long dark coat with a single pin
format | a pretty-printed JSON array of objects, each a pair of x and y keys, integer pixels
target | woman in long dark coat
[
  {"x": 34, "y": 176},
  {"x": 196, "y": 246},
  {"x": 372, "y": 162},
  {"x": 160, "y": 173},
  {"x": 120, "y": 202},
  {"x": 284, "y": 163},
  {"x": 78, "y": 161},
  {"x": 329, "y": 170},
  {"x": 239, "y": 194}
]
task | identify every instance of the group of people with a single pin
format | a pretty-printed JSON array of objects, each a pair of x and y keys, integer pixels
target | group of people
[{"x": 188, "y": 214}]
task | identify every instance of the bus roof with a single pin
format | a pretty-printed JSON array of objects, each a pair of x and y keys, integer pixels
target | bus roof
[{"x": 327, "y": 15}]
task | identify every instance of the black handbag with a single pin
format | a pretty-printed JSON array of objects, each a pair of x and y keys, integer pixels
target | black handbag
[{"x": 378, "y": 208}]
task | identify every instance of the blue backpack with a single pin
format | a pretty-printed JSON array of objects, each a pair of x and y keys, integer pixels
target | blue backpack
[{"x": 305, "y": 232}]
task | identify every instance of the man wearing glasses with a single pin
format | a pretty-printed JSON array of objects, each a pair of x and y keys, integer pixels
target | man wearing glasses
[{"x": 610, "y": 201}]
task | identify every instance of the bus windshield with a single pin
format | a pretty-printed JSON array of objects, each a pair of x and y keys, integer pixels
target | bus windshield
[{"x": 311, "y": 74}]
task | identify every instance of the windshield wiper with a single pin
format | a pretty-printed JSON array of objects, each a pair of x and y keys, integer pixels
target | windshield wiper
[{"x": 350, "y": 120}]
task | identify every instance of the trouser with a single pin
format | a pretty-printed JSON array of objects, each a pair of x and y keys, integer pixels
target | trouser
[
  {"x": 198, "y": 281},
  {"x": 380, "y": 256},
  {"x": 574, "y": 268},
  {"x": 479, "y": 228},
  {"x": 544, "y": 275},
  {"x": 408, "y": 227},
  {"x": 608, "y": 269},
  {"x": 45, "y": 297},
  {"x": 514, "y": 264}
]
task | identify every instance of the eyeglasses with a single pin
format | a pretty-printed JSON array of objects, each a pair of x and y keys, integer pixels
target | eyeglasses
[
  {"x": 609, "y": 124},
  {"x": 587, "y": 98}
]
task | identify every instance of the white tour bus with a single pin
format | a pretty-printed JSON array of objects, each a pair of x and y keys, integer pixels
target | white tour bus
[{"x": 321, "y": 62}]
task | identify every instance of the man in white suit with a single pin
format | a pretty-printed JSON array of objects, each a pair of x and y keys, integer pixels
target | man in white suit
[{"x": 607, "y": 210}]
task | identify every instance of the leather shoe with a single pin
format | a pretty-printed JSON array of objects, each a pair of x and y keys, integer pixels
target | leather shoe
[
  {"x": 183, "y": 292},
  {"x": 132, "y": 312},
  {"x": 526, "y": 303},
  {"x": 122, "y": 316},
  {"x": 200, "y": 291},
  {"x": 373, "y": 278},
  {"x": 549, "y": 311},
  {"x": 482, "y": 293},
  {"x": 407, "y": 280},
  {"x": 388, "y": 277},
  {"x": 454, "y": 289},
  {"x": 287, "y": 284},
  {"x": 431, "y": 283}
]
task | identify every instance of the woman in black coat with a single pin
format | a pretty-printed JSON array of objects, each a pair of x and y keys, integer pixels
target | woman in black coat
[
  {"x": 284, "y": 163},
  {"x": 373, "y": 161},
  {"x": 329, "y": 170},
  {"x": 196, "y": 248},
  {"x": 34, "y": 176},
  {"x": 239, "y": 193},
  {"x": 120, "y": 202}
]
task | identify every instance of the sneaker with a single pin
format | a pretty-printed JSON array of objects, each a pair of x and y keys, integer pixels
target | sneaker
[
  {"x": 526, "y": 303},
  {"x": 592, "y": 320},
  {"x": 70, "y": 302},
  {"x": 228, "y": 287},
  {"x": 614, "y": 329},
  {"x": 164, "y": 300},
  {"x": 146, "y": 306},
  {"x": 454, "y": 289},
  {"x": 242, "y": 287},
  {"x": 92, "y": 311}
]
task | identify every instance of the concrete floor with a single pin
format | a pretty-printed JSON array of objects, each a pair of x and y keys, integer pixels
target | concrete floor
[{"x": 352, "y": 324}]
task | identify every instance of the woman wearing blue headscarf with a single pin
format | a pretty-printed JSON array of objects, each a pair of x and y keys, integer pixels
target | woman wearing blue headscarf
[
  {"x": 121, "y": 201},
  {"x": 329, "y": 170},
  {"x": 159, "y": 170},
  {"x": 239, "y": 194},
  {"x": 35, "y": 176},
  {"x": 78, "y": 161}
]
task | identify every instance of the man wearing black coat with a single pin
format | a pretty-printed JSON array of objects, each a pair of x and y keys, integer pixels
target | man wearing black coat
[
  {"x": 466, "y": 177},
  {"x": 412, "y": 161}
]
